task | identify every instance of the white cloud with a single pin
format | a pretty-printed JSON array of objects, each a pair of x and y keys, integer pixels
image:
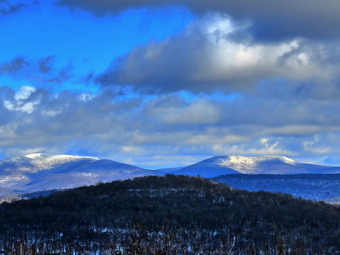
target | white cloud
[
  {"x": 206, "y": 57},
  {"x": 21, "y": 102},
  {"x": 170, "y": 127},
  {"x": 24, "y": 92}
]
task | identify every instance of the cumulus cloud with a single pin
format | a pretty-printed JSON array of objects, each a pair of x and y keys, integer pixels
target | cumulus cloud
[
  {"x": 22, "y": 101},
  {"x": 205, "y": 57},
  {"x": 271, "y": 20},
  {"x": 141, "y": 131}
]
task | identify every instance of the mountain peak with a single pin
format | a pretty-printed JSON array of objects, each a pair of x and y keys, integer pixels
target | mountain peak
[
  {"x": 249, "y": 165},
  {"x": 236, "y": 159},
  {"x": 34, "y": 156}
]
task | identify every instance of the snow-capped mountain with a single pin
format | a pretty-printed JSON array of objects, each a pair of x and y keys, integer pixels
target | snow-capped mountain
[
  {"x": 208, "y": 168},
  {"x": 36, "y": 172},
  {"x": 221, "y": 165}
]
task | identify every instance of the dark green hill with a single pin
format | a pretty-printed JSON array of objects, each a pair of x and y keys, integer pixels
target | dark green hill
[{"x": 168, "y": 215}]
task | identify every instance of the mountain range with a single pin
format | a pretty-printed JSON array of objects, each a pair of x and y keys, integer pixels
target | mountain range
[{"x": 38, "y": 172}]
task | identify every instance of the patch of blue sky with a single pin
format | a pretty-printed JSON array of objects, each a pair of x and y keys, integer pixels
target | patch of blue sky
[
  {"x": 6, "y": 81},
  {"x": 79, "y": 37}
]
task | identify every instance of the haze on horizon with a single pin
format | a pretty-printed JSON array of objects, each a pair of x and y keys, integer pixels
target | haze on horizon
[{"x": 168, "y": 83}]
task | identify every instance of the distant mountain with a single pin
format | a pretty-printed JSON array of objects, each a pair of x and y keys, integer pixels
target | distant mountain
[
  {"x": 222, "y": 165},
  {"x": 36, "y": 172},
  {"x": 207, "y": 168}
]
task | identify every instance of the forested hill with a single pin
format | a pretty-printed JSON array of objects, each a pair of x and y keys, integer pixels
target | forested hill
[{"x": 168, "y": 215}]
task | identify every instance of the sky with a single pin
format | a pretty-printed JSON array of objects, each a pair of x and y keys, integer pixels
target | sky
[{"x": 165, "y": 83}]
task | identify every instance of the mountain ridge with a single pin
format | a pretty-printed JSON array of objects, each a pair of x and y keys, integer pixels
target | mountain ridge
[
  {"x": 235, "y": 164},
  {"x": 38, "y": 172}
]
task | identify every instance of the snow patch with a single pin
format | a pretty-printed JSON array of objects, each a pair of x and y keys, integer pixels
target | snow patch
[
  {"x": 256, "y": 160},
  {"x": 252, "y": 164},
  {"x": 34, "y": 155},
  {"x": 37, "y": 161}
]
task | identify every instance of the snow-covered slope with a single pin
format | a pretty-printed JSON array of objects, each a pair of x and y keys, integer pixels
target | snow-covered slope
[
  {"x": 221, "y": 165},
  {"x": 36, "y": 172},
  {"x": 208, "y": 168}
]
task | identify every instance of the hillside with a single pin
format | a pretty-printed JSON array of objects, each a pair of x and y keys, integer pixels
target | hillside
[
  {"x": 325, "y": 187},
  {"x": 168, "y": 215}
]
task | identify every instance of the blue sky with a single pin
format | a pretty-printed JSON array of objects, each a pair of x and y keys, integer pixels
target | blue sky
[{"x": 167, "y": 83}]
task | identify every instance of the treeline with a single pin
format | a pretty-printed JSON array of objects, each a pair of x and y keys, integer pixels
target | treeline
[{"x": 168, "y": 215}]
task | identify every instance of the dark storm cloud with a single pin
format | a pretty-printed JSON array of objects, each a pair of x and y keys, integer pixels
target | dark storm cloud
[
  {"x": 272, "y": 20},
  {"x": 6, "y": 7}
]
